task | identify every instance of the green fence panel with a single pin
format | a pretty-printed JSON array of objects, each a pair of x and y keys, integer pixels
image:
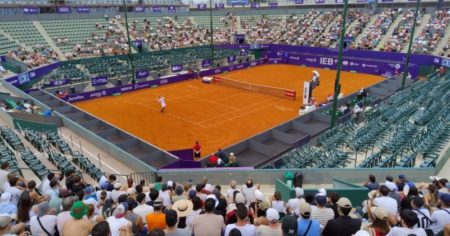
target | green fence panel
[{"x": 41, "y": 127}]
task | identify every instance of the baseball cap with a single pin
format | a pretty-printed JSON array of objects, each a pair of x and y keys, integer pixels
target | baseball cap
[
  {"x": 89, "y": 189},
  {"x": 192, "y": 193},
  {"x": 379, "y": 213},
  {"x": 391, "y": 186},
  {"x": 289, "y": 225},
  {"x": 272, "y": 214},
  {"x": 322, "y": 192},
  {"x": 344, "y": 202},
  {"x": 78, "y": 210},
  {"x": 213, "y": 197},
  {"x": 117, "y": 185},
  {"x": 5, "y": 220},
  {"x": 402, "y": 176},
  {"x": 263, "y": 206},
  {"x": 299, "y": 192},
  {"x": 158, "y": 202},
  {"x": 259, "y": 195},
  {"x": 240, "y": 198},
  {"x": 321, "y": 200},
  {"x": 305, "y": 209},
  {"x": 445, "y": 198},
  {"x": 120, "y": 210}
]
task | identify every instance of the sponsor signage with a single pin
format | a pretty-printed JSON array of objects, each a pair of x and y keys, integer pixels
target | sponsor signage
[
  {"x": 139, "y": 9},
  {"x": 320, "y": 1},
  {"x": 63, "y": 10},
  {"x": 30, "y": 10},
  {"x": 156, "y": 9},
  {"x": 298, "y": 1},
  {"x": 273, "y": 4},
  {"x": 142, "y": 74},
  {"x": 231, "y": 58},
  {"x": 83, "y": 9},
  {"x": 206, "y": 63},
  {"x": 201, "y": 6},
  {"x": 255, "y": 5},
  {"x": 101, "y": 80},
  {"x": 220, "y": 6},
  {"x": 171, "y": 9},
  {"x": 177, "y": 68}
]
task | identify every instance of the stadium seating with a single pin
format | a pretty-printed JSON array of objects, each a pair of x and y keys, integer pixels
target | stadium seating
[
  {"x": 24, "y": 32},
  {"x": 6, "y": 45},
  {"x": 408, "y": 124}
]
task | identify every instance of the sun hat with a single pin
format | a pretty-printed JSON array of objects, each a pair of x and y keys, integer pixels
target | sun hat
[
  {"x": 263, "y": 206},
  {"x": 240, "y": 198},
  {"x": 183, "y": 207},
  {"x": 379, "y": 213},
  {"x": 344, "y": 202},
  {"x": 117, "y": 185},
  {"x": 158, "y": 202},
  {"x": 5, "y": 220},
  {"x": 78, "y": 210}
]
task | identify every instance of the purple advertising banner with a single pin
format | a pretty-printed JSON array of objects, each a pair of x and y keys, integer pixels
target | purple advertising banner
[
  {"x": 255, "y": 5},
  {"x": 83, "y": 9},
  {"x": 387, "y": 0},
  {"x": 206, "y": 63},
  {"x": 220, "y": 6},
  {"x": 55, "y": 83},
  {"x": 34, "y": 74},
  {"x": 201, "y": 6},
  {"x": 298, "y": 1},
  {"x": 156, "y": 9},
  {"x": 63, "y": 9},
  {"x": 339, "y": 1},
  {"x": 320, "y": 1},
  {"x": 2, "y": 58},
  {"x": 30, "y": 10},
  {"x": 101, "y": 80},
  {"x": 137, "y": 43},
  {"x": 177, "y": 68},
  {"x": 361, "y": 1},
  {"x": 171, "y": 9},
  {"x": 147, "y": 84},
  {"x": 273, "y": 4},
  {"x": 139, "y": 9},
  {"x": 142, "y": 74}
]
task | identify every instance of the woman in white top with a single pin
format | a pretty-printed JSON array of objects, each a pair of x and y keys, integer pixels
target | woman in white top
[{"x": 277, "y": 203}]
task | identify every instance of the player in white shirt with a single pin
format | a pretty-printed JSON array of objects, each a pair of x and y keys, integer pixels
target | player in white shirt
[{"x": 162, "y": 101}]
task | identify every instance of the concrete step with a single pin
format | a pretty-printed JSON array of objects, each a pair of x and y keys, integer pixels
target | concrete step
[
  {"x": 8, "y": 36},
  {"x": 389, "y": 32},
  {"x": 423, "y": 22}
]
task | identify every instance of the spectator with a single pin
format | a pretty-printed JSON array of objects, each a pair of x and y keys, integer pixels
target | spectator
[
  {"x": 6, "y": 207},
  {"x": 63, "y": 216},
  {"x": 306, "y": 225},
  {"x": 231, "y": 190},
  {"x": 44, "y": 222},
  {"x": 197, "y": 150},
  {"x": 4, "y": 171},
  {"x": 13, "y": 188},
  {"x": 118, "y": 221},
  {"x": 334, "y": 197},
  {"x": 77, "y": 225},
  {"x": 386, "y": 202},
  {"x": 24, "y": 208},
  {"x": 232, "y": 162},
  {"x": 171, "y": 221},
  {"x": 441, "y": 217},
  {"x": 179, "y": 194},
  {"x": 379, "y": 221},
  {"x": 135, "y": 219},
  {"x": 278, "y": 204},
  {"x": 261, "y": 217},
  {"x": 423, "y": 214},
  {"x": 401, "y": 182},
  {"x": 142, "y": 209},
  {"x": 249, "y": 191},
  {"x": 321, "y": 212},
  {"x": 372, "y": 184},
  {"x": 241, "y": 224},
  {"x": 117, "y": 192},
  {"x": 431, "y": 198},
  {"x": 393, "y": 192},
  {"x": 208, "y": 224},
  {"x": 334, "y": 227},
  {"x": 157, "y": 219},
  {"x": 289, "y": 226},
  {"x": 101, "y": 229},
  {"x": 274, "y": 227},
  {"x": 408, "y": 220},
  {"x": 7, "y": 229}
]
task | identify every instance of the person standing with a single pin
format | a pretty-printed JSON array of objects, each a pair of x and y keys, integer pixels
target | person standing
[
  {"x": 197, "y": 149},
  {"x": 162, "y": 102}
]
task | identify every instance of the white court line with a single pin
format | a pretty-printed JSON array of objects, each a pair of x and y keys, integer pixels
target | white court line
[
  {"x": 284, "y": 108},
  {"x": 92, "y": 155},
  {"x": 171, "y": 114}
]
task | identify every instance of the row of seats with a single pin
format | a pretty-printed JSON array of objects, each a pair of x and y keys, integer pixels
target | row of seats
[{"x": 24, "y": 33}]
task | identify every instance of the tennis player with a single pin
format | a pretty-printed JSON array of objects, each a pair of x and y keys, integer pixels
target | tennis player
[
  {"x": 162, "y": 101},
  {"x": 316, "y": 78}
]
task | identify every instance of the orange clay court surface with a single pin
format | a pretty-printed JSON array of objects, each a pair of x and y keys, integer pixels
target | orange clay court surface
[{"x": 216, "y": 115}]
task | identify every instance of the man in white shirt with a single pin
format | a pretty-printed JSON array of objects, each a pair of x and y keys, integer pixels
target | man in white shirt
[
  {"x": 44, "y": 222},
  {"x": 117, "y": 220},
  {"x": 142, "y": 209},
  {"x": 386, "y": 202},
  {"x": 322, "y": 213},
  {"x": 12, "y": 189},
  {"x": 241, "y": 224},
  {"x": 4, "y": 171},
  {"x": 441, "y": 217},
  {"x": 232, "y": 189},
  {"x": 409, "y": 219},
  {"x": 62, "y": 217},
  {"x": 293, "y": 204},
  {"x": 117, "y": 192},
  {"x": 423, "y": 214}
]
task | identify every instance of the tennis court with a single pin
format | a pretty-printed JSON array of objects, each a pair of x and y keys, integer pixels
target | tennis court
[{"x": 216, "y": 115}]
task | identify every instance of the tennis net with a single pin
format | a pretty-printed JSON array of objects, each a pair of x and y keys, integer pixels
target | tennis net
[{"x": 274, "y": 91}]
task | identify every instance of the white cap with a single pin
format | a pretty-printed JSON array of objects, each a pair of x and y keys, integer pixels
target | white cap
[
  {"x": 170, "y": 183},
  {"x": 212, "y": 196},
  {"x": 272, "y": 214},
  {"x": 259, "y": 195},
  {"x": 299, "y": 192},
  {"x": 117, "y": 185},
  {"x": 362, "y": 233},
  {"x": 322, "y": 192},
  {"x": 391, "y": 185}
]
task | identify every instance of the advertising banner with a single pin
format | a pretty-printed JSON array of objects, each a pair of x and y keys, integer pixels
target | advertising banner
[
  {"x": 30, "y": 10},
  {"x": 220, "y": 6},
  {"x": 100, "y": 80},
  {"x": 177, "y": 68},
  {"x": 139, "y": 9},
  {"x": 201, "y": 6},
  {"x": 171, "y": 9},
  {"x": 142, "y": 74},
  {"x": 83, "y": 9},
  {"x": 63, "y": 9},
  {"x": 156, "y": 9}
]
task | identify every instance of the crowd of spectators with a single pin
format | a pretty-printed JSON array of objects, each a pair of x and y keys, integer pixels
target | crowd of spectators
[
  {"x": 433, "y": 32},
  {"x": 39, "y": 56},
  {"x": 371, "y": 37},
  {"x": 402, "y": 32},
  {"x": 66, "y": 205}
]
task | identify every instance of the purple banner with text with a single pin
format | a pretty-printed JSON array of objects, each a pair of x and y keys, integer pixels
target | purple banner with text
[
  {"x": 220, "y": 6},
  {"x": 101, "y": 80},
  {"x": 63, "y": 10},
  {"x": 30, "y": 10}
]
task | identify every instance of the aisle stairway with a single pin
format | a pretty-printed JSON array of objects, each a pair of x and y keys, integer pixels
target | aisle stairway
[
  {"x": 423, "y": 22},
  {"x": 389, "y": 32}
]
